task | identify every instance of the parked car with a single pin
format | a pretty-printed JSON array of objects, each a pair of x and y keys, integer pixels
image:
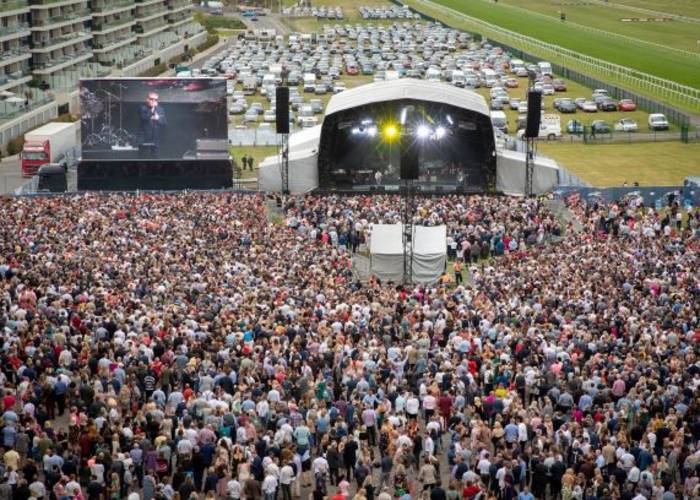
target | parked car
[
  {"x": 514, "y": 103},
  {"x": 559, "y": 85},
  {"x": 589, "y": 107},
  {"x": 496, "y": 104},
  {"x": 657, "y": 121},
  {"x": 600, "y": 127},
  {"x": 566, "y": 106},
  {"x": 512, "y": 83},
  {"x": 547, "y": 89},
  {"x": 522, "y": 107},
  {"x": 574, "y": 127},
  {"x": 627, "y": 105},
  {"x": 269, "y": 116},
  {"x": 237, "y": 109},
  {"x": 250, "y": 116},
  {"x": 626, "y": 125},
  {"x": 607, "y": 105}
]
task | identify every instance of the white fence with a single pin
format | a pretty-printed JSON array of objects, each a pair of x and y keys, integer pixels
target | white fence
[{"x": 667, "y": 89}]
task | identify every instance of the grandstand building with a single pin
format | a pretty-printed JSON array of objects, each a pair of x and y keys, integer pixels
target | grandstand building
[{"x": 47, "y": 46}]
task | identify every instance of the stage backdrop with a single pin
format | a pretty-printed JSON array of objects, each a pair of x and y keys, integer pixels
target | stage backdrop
[{"x": 150, "y": 118}]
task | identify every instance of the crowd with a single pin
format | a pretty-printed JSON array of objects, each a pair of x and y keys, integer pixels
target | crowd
[
  {"x": 188, "y": 346},
  {"x": 477, "y": 226}
]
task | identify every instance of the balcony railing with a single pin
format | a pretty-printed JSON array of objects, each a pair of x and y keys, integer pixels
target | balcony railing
[
  {"x": 13, "y": 53},
  {"x": 48, "y": 2},
  {"x": 11, "y": 30},
  {"x": 112, "y": 5},
  {"x": 68, "y": 16},
  {"x": 8, "y": 111},
  {"x": 56, "y": 40},
  {"x": 13, "y": 5},
  {"x": 108, "y": 44},
  {"x": 112, "y": 23},
  {"x": 61, "y": 60}
]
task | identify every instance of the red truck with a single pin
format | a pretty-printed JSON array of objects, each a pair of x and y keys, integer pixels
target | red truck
[{"x": 48, "y": 144}]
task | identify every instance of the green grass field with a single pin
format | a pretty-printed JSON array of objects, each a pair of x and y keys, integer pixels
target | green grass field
[
  {"x": 650, "y": 164},
  {"x": 690, "y": 8},
  {"x": 677, "y": 34},
  {"x": 258, "y": 153},
  {"x": 656, "y": 61}
]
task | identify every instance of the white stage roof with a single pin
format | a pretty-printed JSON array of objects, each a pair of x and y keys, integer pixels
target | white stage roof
[{"x": 407, "y": 88}]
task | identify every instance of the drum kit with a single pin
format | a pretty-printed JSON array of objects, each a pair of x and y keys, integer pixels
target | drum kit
[{"x": 97, "y": 108}]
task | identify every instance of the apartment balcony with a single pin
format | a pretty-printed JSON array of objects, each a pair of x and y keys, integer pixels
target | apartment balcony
[
  {"x": 146, "y": 31},
  {"x": 109, "y": 8},
  {"x": 12, "y": 32},
  {"x": 186, "y": 28},
  {"x": 144, "y": 3},
  {"x": 102, "y": 28},
  {"x": 62, "y": 62},
  {"x": 59, "y": 42},
  {"x": 62, "y": 20},
  {"x": 14, "y": 56},
  {"x": 178, "y": 9},
  {"x": 13, "y": 7},
  {"x": 111, "y": 45},
  {"x": 150, "y": 14},
  {"x": 50, "y": 4},
  {"x": 179, "y": 20},
  {"x": 15, "y": 79}
]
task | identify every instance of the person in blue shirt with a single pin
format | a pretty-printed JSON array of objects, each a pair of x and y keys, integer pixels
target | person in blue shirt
[{"x": 525, "y": 494}]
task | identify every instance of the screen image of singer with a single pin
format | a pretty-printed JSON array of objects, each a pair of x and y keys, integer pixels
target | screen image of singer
[{"x": 150, "y": 118}]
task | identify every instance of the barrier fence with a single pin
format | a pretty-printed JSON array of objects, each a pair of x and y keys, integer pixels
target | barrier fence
[
  {"x": 252, "y": 137},
  {"x": 666, "y": 89},
  {"x": 657, "y": 196}
]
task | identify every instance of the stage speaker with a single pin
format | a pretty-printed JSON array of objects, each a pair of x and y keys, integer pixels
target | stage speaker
[
  {"x": 534, "y": 113},
  {"x": 282, "y": 109},
  {"x": 409, "y": 158}
]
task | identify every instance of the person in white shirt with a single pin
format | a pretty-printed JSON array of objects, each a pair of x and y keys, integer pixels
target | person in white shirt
[
  {"x": 286, "y": 479},
  {"x": 412, "y": 406},
  {"x": 269, "y": 486},
  {"x": 234, "y": 489},
  {"x": 320, "y": 466}
]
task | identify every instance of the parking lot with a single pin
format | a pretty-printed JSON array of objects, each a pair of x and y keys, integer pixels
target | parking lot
[{"x": 345, "y": 55}]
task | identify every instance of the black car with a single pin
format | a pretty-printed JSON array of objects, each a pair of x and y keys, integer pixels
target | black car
[
  {"x": 600, "y": 127},
  {"x": 608, "y": 105},
  {"x": 566, "y": 106}
]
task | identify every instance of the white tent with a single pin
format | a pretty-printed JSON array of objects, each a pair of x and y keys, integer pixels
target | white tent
[
  {"x": 303, "y": 172},
  {"x": 510, "y": 173},
  {"x": 429, "y": 253},
  {"x": 386, "y": 252},
  {"x": 407, "y": 88}
]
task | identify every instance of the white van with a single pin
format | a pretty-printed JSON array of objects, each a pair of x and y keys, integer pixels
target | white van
[
  {"x": 489, "y": 77},
  {"x": 550, "y": 128},
  {"x": 433, "y": 75},
  {"x": 657, "y": 121},
  {"x": 545, "y": 68},
  {"x": 458, "y": 79},
  {"x": 309, "y": 82},
  {"x": 499, "y": 120},
  {"x": 269, "y": 80}
]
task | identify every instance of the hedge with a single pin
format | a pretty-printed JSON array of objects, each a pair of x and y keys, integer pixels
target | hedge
[{"x": 15, "y": 145}]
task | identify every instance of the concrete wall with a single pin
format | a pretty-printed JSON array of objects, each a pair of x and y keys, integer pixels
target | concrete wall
[{"x": 28, "y": 121}]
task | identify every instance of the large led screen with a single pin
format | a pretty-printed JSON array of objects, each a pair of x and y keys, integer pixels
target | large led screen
[{"x": 150, "y": 118}]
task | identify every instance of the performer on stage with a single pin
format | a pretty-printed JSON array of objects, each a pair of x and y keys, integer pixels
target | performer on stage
[{"x": 153, "y": 121}]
